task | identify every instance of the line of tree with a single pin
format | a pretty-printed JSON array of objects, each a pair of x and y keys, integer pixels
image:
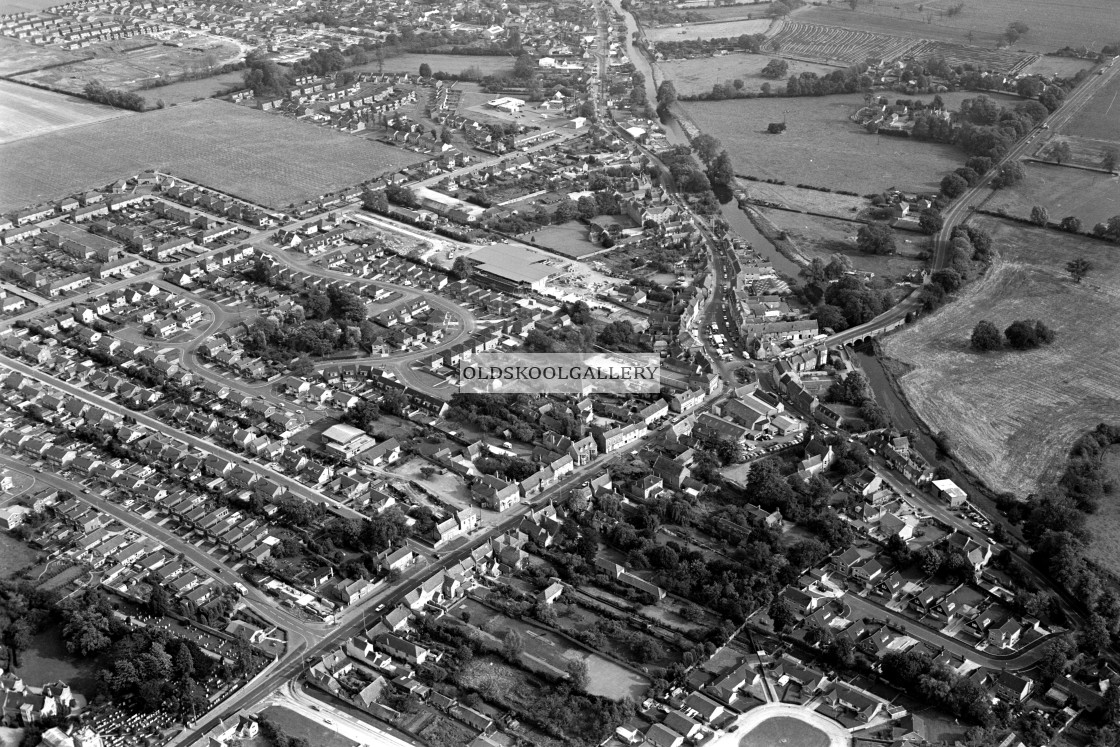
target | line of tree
[
  {"x": 1023, "y": 334},
  {"x": 95, "y": 91}
]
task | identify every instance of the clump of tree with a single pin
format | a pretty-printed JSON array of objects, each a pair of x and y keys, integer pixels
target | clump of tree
[
  {"x": 95, "y": 91},
  {"x": 1028, "y": 334},
  {"x": 855, "y": 390},
  {"x": 876, "y": 238},
  {"x": 916, "y": 673},
  {"x": 775, "y": 68},
  {"x": 985, "y": 337}
]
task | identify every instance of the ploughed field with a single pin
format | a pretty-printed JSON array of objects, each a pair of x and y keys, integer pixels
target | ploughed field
[{"x": 1013, "y": 415}]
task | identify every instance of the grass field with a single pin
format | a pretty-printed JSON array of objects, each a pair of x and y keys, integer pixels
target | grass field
[
  {"x": 1098, "y": 119},
  {"x": 1106, "y": 521},
  {"x": 126, "y": 67},
  {"x": 190, "y": 90},
  {"x": 447, "y": 63},
  {"x": 697, "y": 75},
  {"x": 570, "y": 239},
  {"x": 17, "y": 56},
  {"x": 26, "y": 111},
  {"x": 1064, "y": 67},
  {"x": 823, "y": 237},
  {"x": 24, "y": 6},
  {"x": 293, "y": 724},
  {"x": 47, "y": 660},
  {"x": 785, "y": 731},
  {"x": 719, "y": 30},
  {"x": 1052, "y": 25},
  {"x": 14, "y": 555},
  {"x": 1090, "y": 195},
  {"x": 262, "y": 158},
  {"x": 821, "y": 146},
  {"x": 1013, "y": 415},
  {"x": 828, "y": 203}
]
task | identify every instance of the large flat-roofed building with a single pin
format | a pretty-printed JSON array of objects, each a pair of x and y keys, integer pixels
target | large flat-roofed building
[
  {"x": 346, "y": 441},
  {"x": 512, "y": 267},
  {"x": 506, "y": 104}
]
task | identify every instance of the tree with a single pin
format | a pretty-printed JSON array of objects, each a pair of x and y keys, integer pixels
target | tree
[
  {"x": 577, "y": 673},
  {"x": 666, "y": 95},
  {"x": 721, "y": 172},
  {"x": 930, "y": 221},
  {"x": 524, "y": 67},
  {"x": 1010, "y": 174},
  {"x": 985, "y": 337},
  {"x": 17, "y": 638},
  {"x": 876, "y": 238},
  {"x": 1078, "y": 268},
  {"x": 512, "y": 645},
  {"x": 953, "y": 186},
  {"x": 1040, "y": 216},
  {"x": 1025, "y": 334},
  {"x": 586, "y": 208},
  {"x": 462, "y": 268},
  {"x": 1061, "y": 152},
  {"x": 1109, "y": 159},
  {"x": 707, "y": 148},
  {"x": 425, "y": 70},
  {"x": 782, "y": 616},
  {"x": 1071, "y": 224}
]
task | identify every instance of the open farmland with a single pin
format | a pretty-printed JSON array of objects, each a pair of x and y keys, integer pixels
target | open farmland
[
  {"x": 697, "y": 75},
  {"x": 1052, "y": 25},
  {"x": 1090, "y": 195},
  {"x": 818, "y": 237},
  {"x": 128, "y": 65},
  {"x": 717, "y": 30},
  {"x": 24, "y": 6},
  {"x": 1013, "y": 415},
  {"x": 1098, "y": 117},
  {"x": 1105, "y": 546},
  {"x": 846, "y": 46},
  {"x": 26, "y": 111},
  {"x": 446, "y": 63},
  {"x": 268, "y": 160},
  {"x": 1063, "y": 67},
  {"x": 821, "y": 146},
  {"x": 786, "y": 195},
  {"x": 721, "y": 13},
  {"x": 1082, "y": 151}
]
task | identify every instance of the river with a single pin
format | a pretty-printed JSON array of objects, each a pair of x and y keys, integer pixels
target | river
[{"x": 736, "y": 218}]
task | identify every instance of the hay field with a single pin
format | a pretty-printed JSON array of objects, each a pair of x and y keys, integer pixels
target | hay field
[
  {"x": 1052, "y": 25},
  {"x": 266, "y": 159},
  {"x": 718, "y": 30},
  {"x": 821, "y": 146},
  {"x": 1013, "y": 415},
  {"x": 1090, "y": 195},
  {"x": 26, "y": 111},
  {"x": 695, "y": 76},
  {"x": 1106, "y": 521}
]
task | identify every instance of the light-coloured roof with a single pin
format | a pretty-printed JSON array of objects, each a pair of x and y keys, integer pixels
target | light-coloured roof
[{"x": 342, "y": 433}]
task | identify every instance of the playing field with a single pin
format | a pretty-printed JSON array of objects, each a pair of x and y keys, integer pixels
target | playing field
[
  {"x": 695, "y": 76},
  {"x": 821, "y": 146},
  {"x": 1052, "y": 25},
  {"x": 27, "y": 111},
  {"x": 720, "y": 30},
  {"x": 1092, "y": 196},
  {"x": 266, "y": 159},
  {"x": 447, "y": 63},
  {"x": 1013, "y": 415}
]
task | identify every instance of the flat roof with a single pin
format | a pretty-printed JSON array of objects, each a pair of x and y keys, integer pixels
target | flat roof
[{"x": 513, "y": 262}]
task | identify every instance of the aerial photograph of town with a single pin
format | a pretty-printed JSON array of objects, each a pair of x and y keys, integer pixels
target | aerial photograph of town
[{"x": 258, "y": 486}]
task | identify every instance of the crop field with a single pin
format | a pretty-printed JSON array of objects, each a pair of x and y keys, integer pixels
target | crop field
[
  {"x": 27, "y": 111},
  {"x": 718, "y": 30},
  {"x": 823, "y": 237},
  {"x": 1013, "y": 415},
  {"x": 1105, "y": 546},
  {"x": 447, "y": 63},
  {"x": 1052, "y": 25},
  {"x": 821, "y": 146},
  {"x": 128, "y": 68},
  {"x": 697, "y": 75},
  {"x": 1098, "y": 117},
  {"x": 269, "y": 160},
  {"x": 848, "y": 46},
  {"x": 1090, "y": 195}
]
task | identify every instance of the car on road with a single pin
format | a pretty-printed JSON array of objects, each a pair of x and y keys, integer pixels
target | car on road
[{"x": 327, "y": 721}]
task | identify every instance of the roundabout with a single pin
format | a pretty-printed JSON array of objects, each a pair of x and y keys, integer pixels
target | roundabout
[{"x": 784, "y": 724}]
